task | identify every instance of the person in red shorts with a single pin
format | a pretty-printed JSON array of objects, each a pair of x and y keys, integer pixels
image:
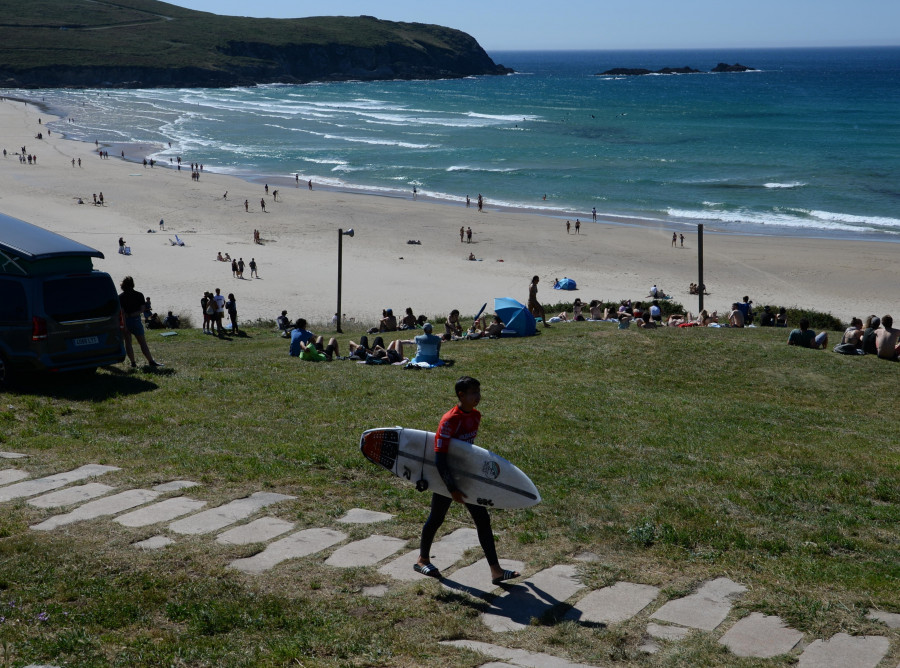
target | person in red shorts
[{"x": 460, "y": 422}]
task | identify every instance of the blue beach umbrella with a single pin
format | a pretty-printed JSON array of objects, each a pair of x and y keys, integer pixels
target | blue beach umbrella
[
  {"x": 565, "y": 284},
  {"x": 515, "y": 316}
]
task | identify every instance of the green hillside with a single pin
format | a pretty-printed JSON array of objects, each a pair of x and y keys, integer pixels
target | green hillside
[{"x": 145, "y": 42}]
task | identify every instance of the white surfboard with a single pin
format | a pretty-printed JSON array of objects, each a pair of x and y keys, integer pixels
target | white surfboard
[{"x": 485, "y": 478}]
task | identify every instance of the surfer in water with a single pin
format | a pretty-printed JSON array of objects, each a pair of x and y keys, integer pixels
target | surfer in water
[{"x": 459, "y": 422}]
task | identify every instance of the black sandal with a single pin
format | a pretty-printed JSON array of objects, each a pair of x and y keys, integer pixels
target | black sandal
[{"x": 429, "y": 570}]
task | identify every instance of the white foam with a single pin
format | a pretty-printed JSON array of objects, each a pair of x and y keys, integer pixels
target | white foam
[
  {"x": 793, "y": 184},
  {"x": 773, "y": 218}
]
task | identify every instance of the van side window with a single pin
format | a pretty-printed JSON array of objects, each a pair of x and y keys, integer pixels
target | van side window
[
  {"x": 80, "y": 298},
  {"x": 13, "y": 305}
]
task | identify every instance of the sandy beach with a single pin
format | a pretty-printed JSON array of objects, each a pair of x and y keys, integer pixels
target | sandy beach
[{"x": 297, "y": 259}]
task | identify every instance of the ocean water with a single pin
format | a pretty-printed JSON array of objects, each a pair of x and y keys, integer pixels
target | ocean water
[{"x": 809, "y": 145}]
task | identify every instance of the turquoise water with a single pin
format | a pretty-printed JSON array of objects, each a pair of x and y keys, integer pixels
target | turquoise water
[{"x": 809, "y": 145}]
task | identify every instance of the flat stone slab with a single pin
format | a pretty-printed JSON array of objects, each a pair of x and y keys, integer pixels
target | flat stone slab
[
  {"x": 532, "y": 598},
  {"x": 110, "y": 505},
  {"x": 447, "y": 551},
  {"x": 614, "y": 604},
  {"x": 761, "y": 636},
  {"x": 153, "y": 543},
  {"x": 49, "y": 483},
  {"x": 705, "y": 609},
  {"x": 174, "y": 486},
  {"x": 8, "y": 476},
  {"x": 665, "y": 632},
  {"x": 164, "y": 511},
  {"x": 844, "y": 650},
  {"x": 12, "y": 455},
  {"x": 301, "y": 544},
  {"x": 71, "y": 495},
  {"x": 475, "y": 579},
  {"x": 258, "y": 531},
  {"x": 361, "y": 516},
  {"x": 514, "y": 657},
  {"x": 366, "y": 552},
  {"x": 891, "y": 619},
  {"x": 221, "y": 516}
]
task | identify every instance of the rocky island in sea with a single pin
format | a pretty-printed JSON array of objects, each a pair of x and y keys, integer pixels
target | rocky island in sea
[
  {"x": 639, "y": 71},
  {"x": 147, "y": 43}
]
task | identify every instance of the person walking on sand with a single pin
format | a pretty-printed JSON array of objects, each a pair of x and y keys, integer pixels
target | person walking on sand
[
  {"x": 246, "y": 206},
  {"x": 534, "y": 306},
  {"x": 262, "y": 204},
  {"x": 162, "y": 225},
  {"x": 594, "y": 214},
  {"x": 682, "y": 240},
  {"x": 468, "y": 235},
  {"x": 253, "y": 268},
  {"x": 674, "y": 239},
  {"x": 568, "y": 227},
  {"x": 309, "y": 183},
  {"x": 240, "y": 268},
  {"x": 132, "y": 303},
  {"x": 577, "y": 226},
  {"x": 462, "y": 233},
  {"x": 462, "y": 422}
]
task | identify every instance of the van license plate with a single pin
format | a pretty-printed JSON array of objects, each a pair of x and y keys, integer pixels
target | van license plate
[{"x": 87, "y": 341}]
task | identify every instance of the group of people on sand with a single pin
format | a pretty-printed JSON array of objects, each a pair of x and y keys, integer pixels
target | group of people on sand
[{"x": 214, "y": 307}]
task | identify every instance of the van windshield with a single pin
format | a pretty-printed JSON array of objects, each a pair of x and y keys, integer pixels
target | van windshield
[{"x": 80, "y": 298}]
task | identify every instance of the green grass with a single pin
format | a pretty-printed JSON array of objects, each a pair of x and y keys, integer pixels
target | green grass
[{"x": 674, "y": 455}]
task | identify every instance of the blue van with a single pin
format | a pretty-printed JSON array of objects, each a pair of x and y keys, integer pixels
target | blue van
[{"x": 57, "y": 313}]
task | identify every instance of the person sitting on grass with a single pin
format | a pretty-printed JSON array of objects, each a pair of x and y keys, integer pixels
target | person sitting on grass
[
  {"x": 886, "y": 340},
  {"x": 873, "y": 322},
  {"x": 284, "y": 324},
  {"x": 452, "y": 327},
  {"x": 807, "y": 338},
  {"x": 389, "y": 322},
  {"x": 172, "y": 321},
  {"x": 853, "y": 334},
  {"x": 428, "y": 347},
  {"x": 308, "y": 346},
  {"x": 736, "y": 317},
  {"x": 409, "y": 320},
  {"x": 492, "y": 331}
]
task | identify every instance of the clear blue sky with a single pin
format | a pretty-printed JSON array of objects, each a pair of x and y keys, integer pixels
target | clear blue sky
[{"x": 623, "y": 24}]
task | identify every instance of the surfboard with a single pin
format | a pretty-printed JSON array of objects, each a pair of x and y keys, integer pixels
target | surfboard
[{"x": 487, "y": 479}]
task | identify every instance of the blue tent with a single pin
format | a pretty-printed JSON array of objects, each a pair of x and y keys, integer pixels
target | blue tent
[
  {"x": 565, "y": 284},
  {"x": 515, "y": 316}
]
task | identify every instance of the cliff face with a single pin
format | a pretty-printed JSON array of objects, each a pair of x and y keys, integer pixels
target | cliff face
[{"x": 195, "y": 49}]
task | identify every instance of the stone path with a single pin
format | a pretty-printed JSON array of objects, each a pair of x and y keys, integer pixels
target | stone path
[{"x": 550, "y": 594}]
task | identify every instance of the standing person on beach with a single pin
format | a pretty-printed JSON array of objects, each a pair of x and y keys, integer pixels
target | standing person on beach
[
  {"x": 132, "y": 303},
  {"x": 468, "y": 235},
  {"x": 231, "y": 307},
  {"x": 262, "y": 204},
  {"x": 462, "y": 422},
  {"x": 247, "y": 206},
  {"x": 577, "y": 226},
  {"x": 219, "y": 315},
  {"x": 594, "y": 213},
  {"x": 240, "y": 267},
  {"x": 568, "y": 227},
  {"x": 674, "y": 239},
  {"x": 462, "y": 233},
  {"x": 534, "y": 305},
  {"x": 253, "y": 268},
  {"x": 682, "y": 240}
]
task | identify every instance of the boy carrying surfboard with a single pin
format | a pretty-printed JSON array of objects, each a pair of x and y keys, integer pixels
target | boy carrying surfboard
[{"x": 460, "y": 422}]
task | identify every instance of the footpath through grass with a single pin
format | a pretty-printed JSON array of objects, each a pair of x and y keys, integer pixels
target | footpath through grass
[{"x": 674, "y": 455}]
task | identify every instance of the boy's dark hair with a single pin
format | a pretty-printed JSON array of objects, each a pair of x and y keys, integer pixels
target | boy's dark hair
[
  {"x": 804, "y": 324},
  {"x": 465, "y": 384}
]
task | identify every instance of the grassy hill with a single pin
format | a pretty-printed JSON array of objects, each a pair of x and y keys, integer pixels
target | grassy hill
[
  {"x": 145, "y": 42},
  {"x": 674, "y": 455}
]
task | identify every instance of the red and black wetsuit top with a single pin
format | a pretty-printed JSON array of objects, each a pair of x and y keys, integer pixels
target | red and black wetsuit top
[{"x": 456, "y": 423}]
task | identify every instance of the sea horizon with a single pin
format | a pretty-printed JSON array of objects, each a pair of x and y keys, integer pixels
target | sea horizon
[{"x": 805, "y": 145}]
